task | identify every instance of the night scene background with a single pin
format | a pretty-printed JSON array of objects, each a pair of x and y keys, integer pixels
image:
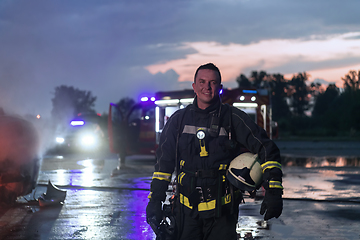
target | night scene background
[{"x": 61, "y": 58}]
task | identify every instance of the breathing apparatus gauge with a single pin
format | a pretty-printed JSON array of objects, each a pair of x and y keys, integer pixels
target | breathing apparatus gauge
[{"x": 200, "y": 134}]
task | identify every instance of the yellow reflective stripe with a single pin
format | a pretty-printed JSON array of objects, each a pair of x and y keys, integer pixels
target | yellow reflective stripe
[
  {"x": 212, "y": 204},
  {"x": 162, "y": 176},
  {"x": 150, "y": 195},
  {"x": 224, "y": 178},
  {"x": 222, "y": 166},
  {"x": 205, "y": 206},
  {"x": 185, "y": 201},
  {"x": 182, "y": 163},
  {"x": 180, "y": 177},
  {"x": 270, "y": 164},
  {"x": 275, "y": 184}
]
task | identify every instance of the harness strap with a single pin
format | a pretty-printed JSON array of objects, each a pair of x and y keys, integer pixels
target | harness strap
[{"x": 207, "y": 173}]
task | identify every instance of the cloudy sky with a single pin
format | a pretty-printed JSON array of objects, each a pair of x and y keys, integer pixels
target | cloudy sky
[{"x": 122, "y": 48}]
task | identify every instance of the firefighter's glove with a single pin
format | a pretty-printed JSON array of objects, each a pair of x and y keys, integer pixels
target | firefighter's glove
[
  {"x": 154, "y": 213},
  {"x": 272, "y": 204}
]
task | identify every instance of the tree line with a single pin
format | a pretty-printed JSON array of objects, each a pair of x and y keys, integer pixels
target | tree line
[
  {"x": 303, "y": 109},
  {"x": 300, "y": 108}
]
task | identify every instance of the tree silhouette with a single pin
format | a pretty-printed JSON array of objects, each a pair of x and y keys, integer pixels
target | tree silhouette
[
  {"x": 324, "y": 101},
  {"x": 243, "y": 81},
  {"x": 125, "y": 104},
  {"x": 69, "y": 101},
  {"x": 258, "y": 78},
  {"x": 350, "y": 101},
  {"x": 299, "y": 94},
  {"x": 352, "y": 80},
  {"x": 279, "y": 89}
]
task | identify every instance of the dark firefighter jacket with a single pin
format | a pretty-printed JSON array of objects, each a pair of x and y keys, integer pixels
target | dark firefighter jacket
[{"x": 198, "y": 143}]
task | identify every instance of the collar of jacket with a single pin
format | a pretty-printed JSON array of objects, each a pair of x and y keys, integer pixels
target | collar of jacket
[{"x": 209, "y": 109}]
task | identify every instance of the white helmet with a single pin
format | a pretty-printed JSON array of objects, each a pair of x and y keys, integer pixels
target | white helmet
[{"x": 245, "y": 172}]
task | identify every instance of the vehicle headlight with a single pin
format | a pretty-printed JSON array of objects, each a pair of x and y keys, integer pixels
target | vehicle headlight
[
  {"x": 60, "y": 140},
  {"x": 88, "y": 140}
]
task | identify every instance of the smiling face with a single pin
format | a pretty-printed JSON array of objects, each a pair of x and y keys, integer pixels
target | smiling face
[{"x": 206, "y": 87}]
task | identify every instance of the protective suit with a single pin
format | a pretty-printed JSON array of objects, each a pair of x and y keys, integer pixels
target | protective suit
[{"x": 200, "y": 144}]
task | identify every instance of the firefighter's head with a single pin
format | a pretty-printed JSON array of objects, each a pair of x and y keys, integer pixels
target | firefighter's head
[
  {"x": 209, "y": 66},
  {"x": 207, "y": 85}
]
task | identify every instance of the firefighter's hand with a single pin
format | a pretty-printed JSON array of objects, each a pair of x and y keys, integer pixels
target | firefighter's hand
[
  {"x": 272, "y": 204},
  {"x": 154, "y": 213}
]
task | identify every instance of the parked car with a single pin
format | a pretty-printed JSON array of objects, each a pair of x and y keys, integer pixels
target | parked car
[{"x": 79, "y": 136}]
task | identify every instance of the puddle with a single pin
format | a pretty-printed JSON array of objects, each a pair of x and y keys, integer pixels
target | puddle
[{"x": 321, "y": 178}]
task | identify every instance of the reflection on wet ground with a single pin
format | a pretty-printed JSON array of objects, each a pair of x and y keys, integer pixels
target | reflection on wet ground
[
  {"x": 322, "y": 178},
  {"x": 250, "y": 225},
  {"x": 321, "y": 201},
  {"x": 313, "y": 162},
  {"x": 331, "y": 180}
]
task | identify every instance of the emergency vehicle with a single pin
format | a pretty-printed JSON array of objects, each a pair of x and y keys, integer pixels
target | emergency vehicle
[
  {"x": 82, "y": 134},
  {"x": 138, "y": 132}
]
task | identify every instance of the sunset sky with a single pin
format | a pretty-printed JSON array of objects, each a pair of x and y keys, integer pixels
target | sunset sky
[{"x": 118, "y": 48}]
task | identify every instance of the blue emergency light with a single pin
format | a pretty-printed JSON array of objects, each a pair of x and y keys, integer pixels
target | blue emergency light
[
  {"x": 250, "y": 91},
  {"x": 145, "y": 99},
  {"x": 77, "y": 123}
]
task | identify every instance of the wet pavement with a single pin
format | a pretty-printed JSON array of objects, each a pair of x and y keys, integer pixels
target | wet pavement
[
  {"x": 97, "y": 206},
  {"x": 321, "y": 198}
]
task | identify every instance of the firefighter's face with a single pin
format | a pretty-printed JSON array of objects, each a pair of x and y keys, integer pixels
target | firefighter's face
[{"x": 207, "y": 87}]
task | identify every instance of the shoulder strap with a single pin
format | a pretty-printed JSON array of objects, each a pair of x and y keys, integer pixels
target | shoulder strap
[
  {"x": 230, "y": 122},
  {"x": 231, "y": 144},
  {"x": 177, "y": 143}
]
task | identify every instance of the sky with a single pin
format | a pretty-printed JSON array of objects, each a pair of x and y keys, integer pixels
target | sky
[{"x": 122, "y": 48}]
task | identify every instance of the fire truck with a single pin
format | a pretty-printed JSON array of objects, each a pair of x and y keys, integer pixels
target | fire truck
[{"x": 138, "y": 131}]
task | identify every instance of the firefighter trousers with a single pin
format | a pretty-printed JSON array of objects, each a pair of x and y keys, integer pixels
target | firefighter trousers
[{"x": 213, "y": 228}]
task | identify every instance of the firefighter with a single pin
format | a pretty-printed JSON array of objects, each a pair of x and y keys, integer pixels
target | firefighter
[{"x": 199, "y": 142}]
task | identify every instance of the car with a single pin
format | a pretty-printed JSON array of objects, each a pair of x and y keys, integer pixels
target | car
[
  {"x": 79, "y": 136},
  {"x": 19, "y": 157}
]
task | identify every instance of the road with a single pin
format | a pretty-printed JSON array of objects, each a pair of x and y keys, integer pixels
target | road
[
  {"x": 97, "y": 206},
  {"x": 321, "y": 199}
]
